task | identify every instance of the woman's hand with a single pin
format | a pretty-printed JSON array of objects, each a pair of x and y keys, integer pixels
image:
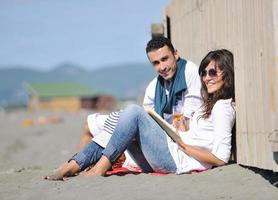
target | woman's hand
[{"x": 180, "y": 122}]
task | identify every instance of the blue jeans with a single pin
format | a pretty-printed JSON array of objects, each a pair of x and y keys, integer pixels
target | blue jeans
[
  {"x": 89, "y": 155},
  {"x": 145, "y": 140}
]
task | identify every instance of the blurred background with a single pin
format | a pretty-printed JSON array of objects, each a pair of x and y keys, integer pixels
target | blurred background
[{"x": 71, "y": 54}]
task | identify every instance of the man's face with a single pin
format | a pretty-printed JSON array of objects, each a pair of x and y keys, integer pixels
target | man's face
[{"x": 164, "y": 62}]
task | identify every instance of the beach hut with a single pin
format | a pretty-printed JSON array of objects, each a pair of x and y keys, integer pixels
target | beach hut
[
  {"x": 68, "y": 96},
  {"x": 249, "y": 29}
]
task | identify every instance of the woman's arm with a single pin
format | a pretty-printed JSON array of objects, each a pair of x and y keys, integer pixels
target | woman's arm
[
  {"x": 201, "y": 155},
  {"x": 223, "y": 117}
]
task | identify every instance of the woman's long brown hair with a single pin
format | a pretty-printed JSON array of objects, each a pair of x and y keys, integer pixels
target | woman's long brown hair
[{"x": 225, "y": 62}]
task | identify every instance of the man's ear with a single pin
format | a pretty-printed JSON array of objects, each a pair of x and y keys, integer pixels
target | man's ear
[{"x": 176, "y": 54}]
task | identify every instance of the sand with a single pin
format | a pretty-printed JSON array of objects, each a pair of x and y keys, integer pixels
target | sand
[{"x": 32, "y": 146}]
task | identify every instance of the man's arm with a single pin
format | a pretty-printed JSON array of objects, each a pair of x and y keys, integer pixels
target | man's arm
[{"x": 149, "y": 94}]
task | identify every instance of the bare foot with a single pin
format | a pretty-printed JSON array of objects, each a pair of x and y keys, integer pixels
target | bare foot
[
  {"x": 92, "y": 172},
  {"x": 100, "y": 167},
  {"x": 54, "y": 177},
  {"x": 66, "y": 170}
]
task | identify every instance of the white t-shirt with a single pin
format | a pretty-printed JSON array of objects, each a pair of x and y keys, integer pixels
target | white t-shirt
[
  {"x": 191, "y": 98},
  {"x": 213, "y": 134}
]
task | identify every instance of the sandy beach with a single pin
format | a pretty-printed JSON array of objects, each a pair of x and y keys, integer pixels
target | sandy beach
[{"x": 34, "y": 144}]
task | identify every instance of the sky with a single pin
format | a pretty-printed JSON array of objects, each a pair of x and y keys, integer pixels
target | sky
[{"x": 42, "y": 34}]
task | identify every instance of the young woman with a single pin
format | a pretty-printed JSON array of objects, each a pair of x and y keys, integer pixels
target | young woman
[{"x": 207, "y": 143}]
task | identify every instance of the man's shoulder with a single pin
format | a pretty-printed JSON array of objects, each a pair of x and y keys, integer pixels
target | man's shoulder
[
  {"x": 152, "y": 83},
  {"x": 150, "y": 92},
  {"x": 190, "y": 64},
  {"x": 191, "y": 68}
]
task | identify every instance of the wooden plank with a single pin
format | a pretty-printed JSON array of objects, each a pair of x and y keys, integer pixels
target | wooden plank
[
  {"x": 274, "y": 83},
  {"x": 246, "y": 28},
  {"x": 239, "y": 55}
]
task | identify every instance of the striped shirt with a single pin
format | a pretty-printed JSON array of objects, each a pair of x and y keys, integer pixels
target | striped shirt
[{"x": 111, "y": 122}]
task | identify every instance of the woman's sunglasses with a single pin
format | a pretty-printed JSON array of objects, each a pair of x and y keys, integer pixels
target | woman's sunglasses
[{"x": 211, "y": 72}]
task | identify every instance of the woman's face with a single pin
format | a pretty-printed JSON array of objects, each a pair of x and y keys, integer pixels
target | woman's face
[{"x": 212, "y": 77}]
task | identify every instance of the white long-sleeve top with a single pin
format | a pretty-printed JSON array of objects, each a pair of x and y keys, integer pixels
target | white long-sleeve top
[{"x": 213, "y": 134}]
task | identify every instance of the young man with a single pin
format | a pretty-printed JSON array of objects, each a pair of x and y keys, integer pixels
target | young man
[
  {"x": 176, "y": 89},
  {"x": 177, "y": 86}
]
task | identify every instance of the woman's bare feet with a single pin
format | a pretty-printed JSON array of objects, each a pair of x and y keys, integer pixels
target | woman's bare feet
[
  {"x": 55, "y": 177},
  {"x": 66, "y": 170},
  {"x": 100, "y": 167}
]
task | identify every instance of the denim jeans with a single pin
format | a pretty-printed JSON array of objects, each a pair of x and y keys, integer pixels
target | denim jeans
[
  {"x": 145, "y": 140},
  {"x": 89, "y": 155}
]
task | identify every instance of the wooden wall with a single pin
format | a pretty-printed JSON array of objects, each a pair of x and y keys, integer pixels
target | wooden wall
[{"x": 249, "y": 29}]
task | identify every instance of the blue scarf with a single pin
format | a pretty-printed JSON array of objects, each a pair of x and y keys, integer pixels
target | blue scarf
[{"x": 177, "y": 86}]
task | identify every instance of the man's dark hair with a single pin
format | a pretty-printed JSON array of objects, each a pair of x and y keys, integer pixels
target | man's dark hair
[{"x": 159, "y": 42}]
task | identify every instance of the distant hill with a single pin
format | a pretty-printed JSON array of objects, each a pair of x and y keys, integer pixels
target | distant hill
[{"x": 122, "y": 81}]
